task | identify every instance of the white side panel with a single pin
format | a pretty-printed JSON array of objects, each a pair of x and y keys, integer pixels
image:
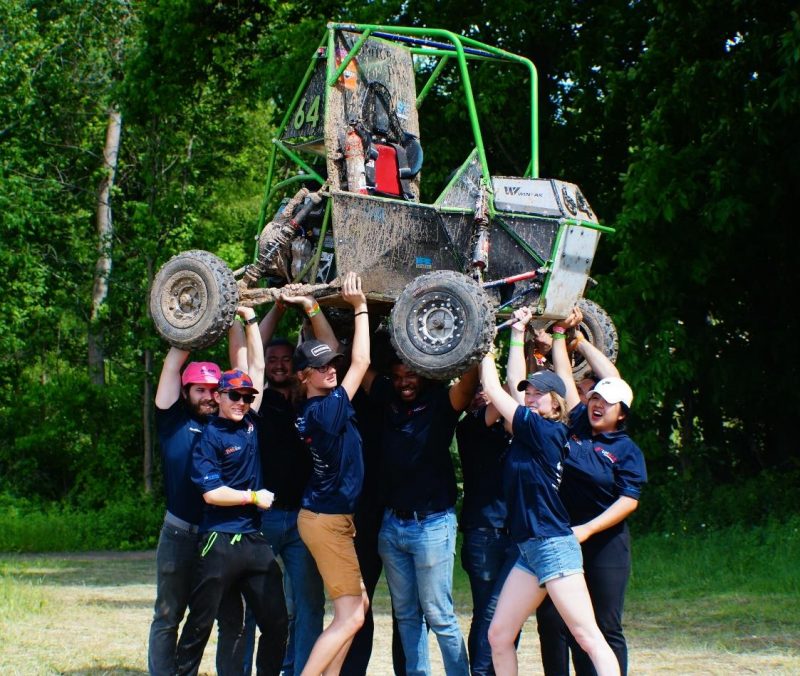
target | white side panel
[{"x": 571, "y": 267}]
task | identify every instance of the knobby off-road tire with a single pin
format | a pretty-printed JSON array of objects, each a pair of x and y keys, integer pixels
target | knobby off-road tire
[
  {"x": 442, "y": 324},
  {"x": 193, "y": 300},
  {"x": 600, "y": 331}
]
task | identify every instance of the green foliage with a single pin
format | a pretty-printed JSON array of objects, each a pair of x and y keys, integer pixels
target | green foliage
[{"x": 126, "y": 521}]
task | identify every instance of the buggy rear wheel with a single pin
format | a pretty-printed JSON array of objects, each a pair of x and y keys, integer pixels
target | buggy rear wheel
[
  {"x": 193, "y": 300},
  {"x": 600, "y": 331},
  {"x": 442, "y": 324}
]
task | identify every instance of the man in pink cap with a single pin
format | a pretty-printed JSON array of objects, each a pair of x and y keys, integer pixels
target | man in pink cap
[{"x": 184, "y": 402}]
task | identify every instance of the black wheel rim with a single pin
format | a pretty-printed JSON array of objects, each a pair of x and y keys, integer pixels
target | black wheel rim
[{"x": 435, "y": 323}]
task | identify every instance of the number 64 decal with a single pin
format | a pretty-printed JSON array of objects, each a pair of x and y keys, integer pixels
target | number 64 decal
[{"x": 307, "y": 113}]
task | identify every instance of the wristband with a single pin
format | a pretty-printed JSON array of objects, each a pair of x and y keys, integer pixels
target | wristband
[
  {"x": 313, "y": 311},
  {"x": 252, "y": 320},
  {"x": 559, "y": 330},
  {"x": 559, "y": 335},
  {"x": 254, "y": 497},
  {"x": 363, "y": 312},
  {"x": 517, "y": 343}
]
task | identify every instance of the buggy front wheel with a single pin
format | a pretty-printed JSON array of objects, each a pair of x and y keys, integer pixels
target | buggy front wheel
[{"x": 442, "y": 324}]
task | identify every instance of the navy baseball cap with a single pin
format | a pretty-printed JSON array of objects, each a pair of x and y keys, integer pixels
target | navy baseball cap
[
  {"x": 544, "y": 381},
  {"x": 314, "y": 353}
]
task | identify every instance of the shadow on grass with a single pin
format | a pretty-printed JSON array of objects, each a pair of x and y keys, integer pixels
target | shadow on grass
[
  {"x": 104, "y": 671},
  {"x": 93, "y": 569}
]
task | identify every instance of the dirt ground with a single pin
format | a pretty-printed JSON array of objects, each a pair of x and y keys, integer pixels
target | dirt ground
[{"x": 95, "y": 612}]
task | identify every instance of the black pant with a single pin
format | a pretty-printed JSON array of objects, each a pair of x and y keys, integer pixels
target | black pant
[
  {"x": 227, "y": 561},
  {"x": 368, "y": 523},
  {"x": 607, "y": 567}
]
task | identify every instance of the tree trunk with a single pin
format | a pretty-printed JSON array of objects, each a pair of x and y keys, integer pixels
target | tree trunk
[
  {"x": 147, "y": 422},
  {"x": 105, "y": 235}
]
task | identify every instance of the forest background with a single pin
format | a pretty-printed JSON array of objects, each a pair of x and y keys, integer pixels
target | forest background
[{"x": 680, "y": 121}]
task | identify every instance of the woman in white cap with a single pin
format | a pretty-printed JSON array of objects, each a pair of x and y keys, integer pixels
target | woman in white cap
[
  {"x": 603, "y": 477},
  {"x": 549, "y": 554}
]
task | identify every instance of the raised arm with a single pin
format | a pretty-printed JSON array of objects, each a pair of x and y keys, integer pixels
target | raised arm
[
  {"x": 169, "y": 382},
  {"x": 319, "y": 322},
  {"x": 359, "y": 356},
  {"x": 561, "y": 361},
  {"x": 516, "y": 369},
  {"x": 505, "y": 404},
  {"x": 462, "y": 392},
  {"x": 269, "y": 324},
  {"x": 255, "y": 352}
]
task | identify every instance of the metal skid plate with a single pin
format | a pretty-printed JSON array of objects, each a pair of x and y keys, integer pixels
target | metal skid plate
[{"x": 389, "y": 242}]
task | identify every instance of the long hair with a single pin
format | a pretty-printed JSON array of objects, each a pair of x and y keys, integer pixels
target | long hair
[{"x": 560, "y": 414}]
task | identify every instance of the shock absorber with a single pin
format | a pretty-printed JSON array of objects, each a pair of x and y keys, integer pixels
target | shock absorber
[
  {"x": 480, "y": 249},
  {"x": 354, "y": 162},
  {"x": 276, "y": 236}
]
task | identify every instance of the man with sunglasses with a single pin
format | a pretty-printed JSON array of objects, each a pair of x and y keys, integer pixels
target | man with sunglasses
[{"x": 235, "y": 556}]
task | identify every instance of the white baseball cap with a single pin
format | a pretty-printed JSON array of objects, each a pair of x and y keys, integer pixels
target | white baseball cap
[{"x": 614, "y": 391}]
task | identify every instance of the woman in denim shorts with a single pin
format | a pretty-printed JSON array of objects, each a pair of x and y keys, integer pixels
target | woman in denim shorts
[{"x": 550, "y": 559}]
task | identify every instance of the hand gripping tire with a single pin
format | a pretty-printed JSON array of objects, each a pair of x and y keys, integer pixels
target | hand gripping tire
[
  {"x": 193, "y": 300},
  {"x": 442, "y": 324},
  {"x": 600, "y": 331}
]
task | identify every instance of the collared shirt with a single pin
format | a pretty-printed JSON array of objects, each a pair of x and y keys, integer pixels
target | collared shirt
[
  {"x": 482, "y": 451},
  {"x": 600, "y": 469},
  {"x": 417, "y": 469},
  {"x": 327, "y": 426},
  {"x": 179, "y": 433},
  {"x": 285, "y": 460},
  {"x": 228, "y": 455},
  {"x": 532, "y": 477}
]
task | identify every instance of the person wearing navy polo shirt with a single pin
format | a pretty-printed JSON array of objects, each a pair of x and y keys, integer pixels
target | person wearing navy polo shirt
[
  {"x": 183, "y": 404},
  {"x": 486, "y": 547},
  {"x": 603, "y": 478},
  {"x": 226, "y": 468},
  {"x": 418, "y": 535},
  {"x": 549, "y": 560},
  {"x": 326, "y": 424}
]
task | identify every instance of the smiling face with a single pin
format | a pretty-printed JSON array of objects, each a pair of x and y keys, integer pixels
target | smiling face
[
  {"x": 200, "y": 397},
  {"x": 604, "y": 417},
  {"x": 406, "y": 383},
  {"x": 229, "y": 409},
  {"x": 319, "y": 380},
  {"x": 539, "y": 402},
  {"x": 278, "y": 370}
]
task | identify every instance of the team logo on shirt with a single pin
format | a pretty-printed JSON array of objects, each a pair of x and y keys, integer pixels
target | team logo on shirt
[
  {"x": 232, "y": 449},
  {"x": 606, "y": 454}
]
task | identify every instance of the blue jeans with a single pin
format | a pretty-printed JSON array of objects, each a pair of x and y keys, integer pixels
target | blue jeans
[
  {"x": 176, "y": 560},
  {"x": 418, "y": 560},
  {"x": 487, "y": 556},
  {"x": 305, "y": 596}
]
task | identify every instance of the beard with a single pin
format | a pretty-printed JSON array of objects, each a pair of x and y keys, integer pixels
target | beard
[{"x": 204, "y": 408}]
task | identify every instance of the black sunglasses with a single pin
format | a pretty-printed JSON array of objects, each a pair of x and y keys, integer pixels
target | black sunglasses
[{"x": 246, "y": 398}]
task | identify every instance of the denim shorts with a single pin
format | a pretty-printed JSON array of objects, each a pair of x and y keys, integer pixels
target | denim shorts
[{"x": 549, "y": 558}]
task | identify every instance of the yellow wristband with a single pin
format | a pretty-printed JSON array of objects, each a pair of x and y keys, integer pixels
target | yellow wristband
[{"x": 254, "y": 497}]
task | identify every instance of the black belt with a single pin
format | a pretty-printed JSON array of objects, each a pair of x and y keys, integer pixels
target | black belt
[
  {"x": 171, "y": 520},
  {"x": 411, "y": 515},
  {"x": 277, "y": 504}
]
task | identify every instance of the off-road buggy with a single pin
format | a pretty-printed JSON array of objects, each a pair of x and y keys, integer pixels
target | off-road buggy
[{"x": 435, "y": 275}]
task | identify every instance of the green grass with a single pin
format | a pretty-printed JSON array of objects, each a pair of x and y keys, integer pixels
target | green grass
[{"x": 734, "y": 589}]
